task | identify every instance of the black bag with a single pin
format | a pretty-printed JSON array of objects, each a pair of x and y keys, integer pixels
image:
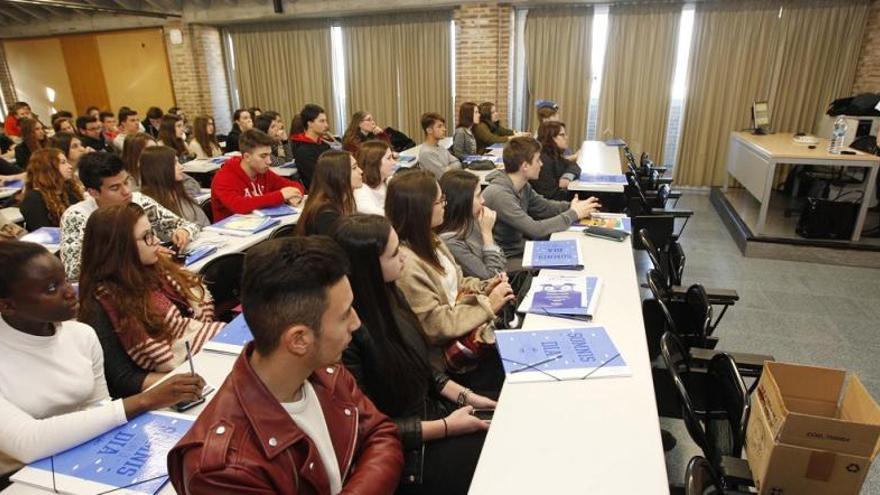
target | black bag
[
  {"x": 481, "y": 165},
  {"x": 399, "y": 140},
  {"x": 829, "y": 218}
]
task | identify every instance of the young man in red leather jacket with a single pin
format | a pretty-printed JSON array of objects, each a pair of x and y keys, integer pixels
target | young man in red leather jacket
[{"x": 288, "y": 419}]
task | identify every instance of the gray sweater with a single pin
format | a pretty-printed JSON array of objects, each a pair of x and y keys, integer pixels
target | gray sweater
[
  {"x": 523, "y": 214},
  {"x": 463, "y": 143},
  {"x": 475, "y": 259},
  {"x": 437, "y": 160}
]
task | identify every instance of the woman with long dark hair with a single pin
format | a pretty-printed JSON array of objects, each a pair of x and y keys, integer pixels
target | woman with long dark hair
[
  {"x": 362, "y": 128},
  {"x": 132, "y": 148},
  {"x": 558, "y": 171},
  {"x": 162, "y": 179},
  {"x": 377, "y": 161},
  {"x": 336, "y": 176},
  {"x": 204, "y": 142},
  {"x": 467, "y": 226},
  {"x": 463, "y": 141},
  {"x": 33, "y": 137},
  {"x": 454, "y": 311},
  {"x": 172, "y": 133},
  {"x": 389, "y": 359},
  {"x": 142, "y": 305},
  {"x": 488, "y": 130},
  {"x": 71, "y": 145},
  {"x": 50, "y": 187}
]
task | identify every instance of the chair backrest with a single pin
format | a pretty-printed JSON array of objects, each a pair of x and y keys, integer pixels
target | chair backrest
[
  {"x": 660, "y": 291},
  {"x": 662, "y": 195},
  {"x": 699, "y": 312},
  {"x": 286, "y": 230},
  {"x": 677, "y": 361},
  {"x": 633, "y": 181},
  {"x": 649, "y": 246},
  {"x": 728, "y": 392},
  {"x": 222, "y": 276},
  {"x": 677, "y": 259},
  {"x": 700, "y": 478},
  {"x": 207, "y": 208}
]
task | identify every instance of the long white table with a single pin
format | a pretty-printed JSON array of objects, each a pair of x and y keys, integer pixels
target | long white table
[
  {"x": 596, "y": 157},
  {"x": 752, "y": 161},
  {"x": 233, "y": 244}
]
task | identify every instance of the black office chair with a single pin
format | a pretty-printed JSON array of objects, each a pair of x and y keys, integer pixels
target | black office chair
[
  {"x": 286, "y": 230},
  {"x": 222, "y": 276},
  {"x": 206, "y": 207},
  {"x": 715, "y": 406},
  {"x": 701, "y": 479}
]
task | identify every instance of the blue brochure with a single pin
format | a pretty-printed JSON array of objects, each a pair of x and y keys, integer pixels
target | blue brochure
[
  {"x": 47, "y": 236},
  {"x": 556, "y": 355},
  {"x": 562, "y": 295},
  {"x": 232, "y": 338},
  {"x": 290, "y": 164},
  {"x": 277, "y": 211},
  {"x": 199, "y": 253},
  {"x": 603, "y": 178},
  {"x": 563, "y": 254},
  {"x": 616, "y": 142},
  {"x": 243, "y": 225},
  {"x": 131, "y": 456},
  {"x": 14, "y": 184}
]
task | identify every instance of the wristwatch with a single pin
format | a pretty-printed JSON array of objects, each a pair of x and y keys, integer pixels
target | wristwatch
[{"x": 462, "y": 397}]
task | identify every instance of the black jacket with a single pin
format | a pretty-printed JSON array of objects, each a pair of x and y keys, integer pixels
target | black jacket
[
  {"x": 547, "y": 184},
  {"x": 96, "y": 144},
  {"x": 36, "y": 213},
  {"x": 124, "y": 377},
  {"x": 360, "y": 359},
  {"x": 22, "y": 155},
  {"x": 232, "y": 138},
  {"x": 306, "y": 153}
]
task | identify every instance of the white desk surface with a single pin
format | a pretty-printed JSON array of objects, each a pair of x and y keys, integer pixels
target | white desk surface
[
  {"x": 13, "y": 214},
  {"x": 596, "y": 157},
  {"x": 234, "y": 244},
  {"x": 201, "y": 166},
  {"x": 780, "y": 147},
  {"x": 599, "y": 436}
]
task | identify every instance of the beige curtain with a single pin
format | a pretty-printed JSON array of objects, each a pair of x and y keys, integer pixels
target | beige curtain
[
  {"x": 731, "y": 62},
  {"x": 557, "y": 46},
  {"x": 637, "y": 77},
  {"x": 284, "y": 66},
  {"x": 398, "y": 67}
]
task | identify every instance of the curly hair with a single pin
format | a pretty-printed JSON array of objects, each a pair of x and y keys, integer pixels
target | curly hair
[{"x": 43, "y": 175}]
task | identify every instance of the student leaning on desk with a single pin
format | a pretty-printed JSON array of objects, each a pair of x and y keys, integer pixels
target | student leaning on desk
[{"x": 53, "y": 394}]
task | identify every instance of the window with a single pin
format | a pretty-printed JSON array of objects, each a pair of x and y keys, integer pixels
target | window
[
  {"x": 679, "y": 87},
  {"x": 338, "y": 71},
  {"x": 597, "y": 65}
]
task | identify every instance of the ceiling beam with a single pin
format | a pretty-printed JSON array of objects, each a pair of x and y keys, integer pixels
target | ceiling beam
[
  {"x": 16, "y": 15},
  {"x": 26, "y": 10},
  {"x": 69, "y": 5}
]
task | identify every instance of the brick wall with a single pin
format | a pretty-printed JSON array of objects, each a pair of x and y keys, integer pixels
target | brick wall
[
  {"x": 6, "y": 85},
  {"x": 868, "y": 71},
  {"x": 483, "y": 55},
  {"x": 198, "y": 73}
]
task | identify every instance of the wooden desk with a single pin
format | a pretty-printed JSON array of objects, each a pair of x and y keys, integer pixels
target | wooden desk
[
  {"x": 598, "y": 436},
  {"x": 752, "y": 161}
]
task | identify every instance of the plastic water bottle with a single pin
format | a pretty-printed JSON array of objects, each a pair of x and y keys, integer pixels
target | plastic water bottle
[{"x": 837, "y": 136}]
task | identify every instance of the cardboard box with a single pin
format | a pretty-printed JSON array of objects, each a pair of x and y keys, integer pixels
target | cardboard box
[{"x": 811, "y": 431}]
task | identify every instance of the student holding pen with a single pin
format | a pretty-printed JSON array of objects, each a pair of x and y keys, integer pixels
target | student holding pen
[{"x": 53, "y": 393}]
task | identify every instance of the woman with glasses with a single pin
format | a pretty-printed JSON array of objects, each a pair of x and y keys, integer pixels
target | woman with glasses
[
  {"x": 142, "y": 305},
  {"x": 456, "y": 313},
  {"x": 558, "y": 171}
]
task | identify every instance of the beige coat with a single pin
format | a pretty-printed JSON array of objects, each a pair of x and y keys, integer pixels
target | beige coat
[{"x": 422, "y": 286}]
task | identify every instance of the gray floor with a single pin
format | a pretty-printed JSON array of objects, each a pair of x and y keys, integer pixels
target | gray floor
[{"x": 798, "y": 312}]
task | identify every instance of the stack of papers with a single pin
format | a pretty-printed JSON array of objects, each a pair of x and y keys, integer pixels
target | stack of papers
[
  {"x": 573, "y": 296},
  {"x": 564, "y": 254},
  {"x": 232, "y": 338},
  {"x": 277, "y": 211},
  {"x": 617, "y": 221},
  {"x": 243, "y": 225},
  {"x": 556, "y": 355},
  {"x": 50, "y": 237},
  {"x": 492, "y": 158}
]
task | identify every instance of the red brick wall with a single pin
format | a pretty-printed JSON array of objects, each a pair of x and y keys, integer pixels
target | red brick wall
[{"x": 868, "y": 71}]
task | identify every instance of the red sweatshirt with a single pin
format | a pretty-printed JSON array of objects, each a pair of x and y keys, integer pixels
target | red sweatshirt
[{"x": 232, "y": 191}]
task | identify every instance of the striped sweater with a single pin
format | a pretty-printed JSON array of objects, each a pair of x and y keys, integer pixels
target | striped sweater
[{"x": 194, "y": 323}]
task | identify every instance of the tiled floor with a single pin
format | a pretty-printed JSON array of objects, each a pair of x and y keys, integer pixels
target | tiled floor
[{"x": 798, "y": 312}]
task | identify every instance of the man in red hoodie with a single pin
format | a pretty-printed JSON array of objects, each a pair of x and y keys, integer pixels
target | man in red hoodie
[{"x": 245, "y": 183}]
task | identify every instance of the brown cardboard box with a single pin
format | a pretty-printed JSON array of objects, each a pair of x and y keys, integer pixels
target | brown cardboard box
[{"x": 811, "y": 431}]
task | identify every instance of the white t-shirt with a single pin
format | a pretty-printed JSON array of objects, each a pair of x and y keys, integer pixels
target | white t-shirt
[
  {"x": 308, "y": 415},
  {"x": 450, "y": 278},
  {"x": 53, "y": 395},
  {"x": 370, "y": 201}
]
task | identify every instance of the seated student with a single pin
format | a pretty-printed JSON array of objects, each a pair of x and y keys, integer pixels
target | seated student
[
  {"x": 245, "y": 183},
  {"x": 142, "y": 305},
  {"x": 362, "y": 128},
  {"x": 53, "y": 393},
  {"x": 463, "y": 142},
  {"x": 33, "y": 137},
  {"x": 389, "y": 359},
  {"x": 129, "y": 125},
  {"x": 433, "y": 157},
  {"x": 153, "y": 122},
  {"x": 162, "y": 179},
  {"x": 308, "y": 140},
  {"x": 50, "y": 188},
  {"x": 69, "y": 144},
  {"x": 291, "y": 420},
  {"x": 523, "y": 213},
  {"x": 488, "y": 130},
  {"x": 131, "y": 156},
  {"x": 88, "y": 129},
  {"x": 62, "y": 124},
  {"x": 255, "y": 112},
  {"x": 270, "y": 123},
  {"x": 467, "y": 226},
  {"x": 453, "y": 310},
  {"x": 92, "y": 111},
  {"x": 546, "y": 110},
  {"x": 241, "y": 121},
  {"x": 19, "y": 110},
  {"x": 204, "y": 142},
  {"x": 172, "y": 133},
  {"x": 331, "y": 196},
  {"x": 107, "y": 183},
  {"x": 377, "y": 162},
  {"x": 558, "y": 171},
  {"x": 110, "y": 127}
]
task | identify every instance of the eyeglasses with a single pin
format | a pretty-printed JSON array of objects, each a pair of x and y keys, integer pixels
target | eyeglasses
[
  {"x": 441, "y": 201},
  {"x": 149, "y": 238}
]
